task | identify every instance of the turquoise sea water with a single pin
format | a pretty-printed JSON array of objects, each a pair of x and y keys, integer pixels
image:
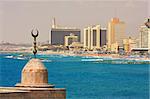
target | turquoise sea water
[{"x": 83, "y": 79}]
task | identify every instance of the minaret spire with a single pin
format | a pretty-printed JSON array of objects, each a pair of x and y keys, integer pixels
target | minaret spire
[{"x": 34, "y": 42}]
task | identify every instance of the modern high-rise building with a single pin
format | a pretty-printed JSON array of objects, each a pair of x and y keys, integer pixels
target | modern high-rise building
[
  {"x": 58, "y": 33},
  {"x": 94, "y": 37},
  {"x": 116, "y": 32},
  {"x": 145, "y": 35}
]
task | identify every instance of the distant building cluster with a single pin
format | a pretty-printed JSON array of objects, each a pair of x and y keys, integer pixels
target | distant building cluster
[{"x": 112, "y": 38}]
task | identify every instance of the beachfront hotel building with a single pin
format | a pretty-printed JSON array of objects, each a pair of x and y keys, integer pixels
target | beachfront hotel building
[
  {"x": 94, "y": 37},
  {"x": 58, "y": 33},
  {"x": 145, "y": 35},
  {"x": 115, "y": 33},
  {"x": 129, "y": 44}
]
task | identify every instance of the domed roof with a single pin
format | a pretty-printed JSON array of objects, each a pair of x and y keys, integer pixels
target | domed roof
[
  {"x": 34, "y": 64},
  {"x": 34, "y": 74}
]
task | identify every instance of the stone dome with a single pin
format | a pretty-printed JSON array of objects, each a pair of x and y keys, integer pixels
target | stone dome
[{"x": 34, "y": 74}]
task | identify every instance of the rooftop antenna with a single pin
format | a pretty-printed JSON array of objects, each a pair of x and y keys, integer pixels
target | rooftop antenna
[
  {"x": 34, "y": 42},
  {"x": 53, "y": 23}
]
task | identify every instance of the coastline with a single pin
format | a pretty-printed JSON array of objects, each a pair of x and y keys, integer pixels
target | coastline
[{"x": 104, "y": 57}]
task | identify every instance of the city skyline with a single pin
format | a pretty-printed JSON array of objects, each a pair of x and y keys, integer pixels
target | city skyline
[{"x": 18, "y": 18}]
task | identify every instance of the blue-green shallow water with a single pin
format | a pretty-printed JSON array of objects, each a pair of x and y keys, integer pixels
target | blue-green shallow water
[{"x": 85, "y": 80}]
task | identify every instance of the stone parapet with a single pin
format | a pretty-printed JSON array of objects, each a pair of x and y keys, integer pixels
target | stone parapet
[{"x": 32, "y": 93}]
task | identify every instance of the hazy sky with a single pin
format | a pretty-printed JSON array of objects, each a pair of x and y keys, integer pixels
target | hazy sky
[{"x": 17, "y": 18}]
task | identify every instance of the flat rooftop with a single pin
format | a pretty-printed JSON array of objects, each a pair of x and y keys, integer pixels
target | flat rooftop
[{"x": 65, "y": 29}]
